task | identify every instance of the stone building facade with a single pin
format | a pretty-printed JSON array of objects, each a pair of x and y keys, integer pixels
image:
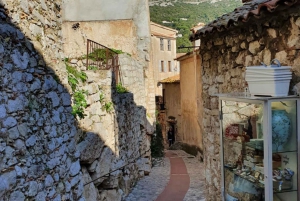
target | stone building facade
[
  {"x": 124, "y": 26},
  {"x": 163, "y": 44},
  {"x": 45, "y": 153},
  {"x": 250, "y": 35}
]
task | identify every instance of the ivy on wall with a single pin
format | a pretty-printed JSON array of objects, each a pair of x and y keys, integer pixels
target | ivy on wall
[{"x": 79, "y": 96}]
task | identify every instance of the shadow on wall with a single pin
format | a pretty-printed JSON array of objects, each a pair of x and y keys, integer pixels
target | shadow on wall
[
  {"x": 40, "y": 144},
  {"x": 123, "y": 157}
]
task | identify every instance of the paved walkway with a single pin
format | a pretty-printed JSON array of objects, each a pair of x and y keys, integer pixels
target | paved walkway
[{"x": 178, "y": 171}]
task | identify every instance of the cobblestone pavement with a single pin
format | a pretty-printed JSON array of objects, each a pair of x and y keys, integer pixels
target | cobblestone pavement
[{"x": 149, "y": 187}]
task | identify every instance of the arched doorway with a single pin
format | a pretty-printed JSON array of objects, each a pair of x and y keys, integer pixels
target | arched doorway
[{"x": 172, "y": 123}]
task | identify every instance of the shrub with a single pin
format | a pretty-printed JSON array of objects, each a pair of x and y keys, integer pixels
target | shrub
[
  {"x": 157, "y": 146},
  {"x": 121, "y": 89}
]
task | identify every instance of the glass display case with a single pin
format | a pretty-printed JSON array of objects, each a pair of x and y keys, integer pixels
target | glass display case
[{"x": 259, "y": 141}]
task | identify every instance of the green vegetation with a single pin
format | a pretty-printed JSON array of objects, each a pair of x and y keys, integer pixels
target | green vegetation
[
  {"x": 102, "y": 55},
  {"x": 121, "y": 89},
  {"x": 157, "y": 147},
  {"x": 120, "y": 52},
  {"x": 108, "y": 107},
  {"x": 102, "y": 97},
  {"x": 79, "y": 96},
  {"x": 92, "y": 68},
  {"x": 203, "y": 12},
  {"x": 79, "y": 103},
  {"x": 73, "y": 82},
  {"x": 75, "y": 73},
  {"x": 38, "y": 37}
]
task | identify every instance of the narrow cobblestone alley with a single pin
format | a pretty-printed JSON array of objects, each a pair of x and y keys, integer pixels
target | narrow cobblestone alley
[{"x": 151, "y": 187}]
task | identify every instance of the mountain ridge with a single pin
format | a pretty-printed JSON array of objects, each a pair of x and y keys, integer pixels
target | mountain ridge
[{"x": 182, "y": 16}]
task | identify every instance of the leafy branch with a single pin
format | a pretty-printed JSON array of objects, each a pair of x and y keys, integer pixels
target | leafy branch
[
  {"x": 79, "y": 103},
  {"x": 79, "y": 96}
]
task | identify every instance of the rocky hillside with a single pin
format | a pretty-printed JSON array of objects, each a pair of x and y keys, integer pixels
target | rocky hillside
[{"x": 183, "y": 14}]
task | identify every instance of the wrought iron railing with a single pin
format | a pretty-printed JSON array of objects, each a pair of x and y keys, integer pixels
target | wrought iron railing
[{"x": 100, "y": 57}]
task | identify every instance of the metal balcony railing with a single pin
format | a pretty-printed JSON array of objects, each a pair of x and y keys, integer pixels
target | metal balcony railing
[{"x": 100, "y": 57}]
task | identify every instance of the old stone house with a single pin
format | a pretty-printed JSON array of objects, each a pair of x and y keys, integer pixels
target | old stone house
[
  {"x": 256, "y": 32},
  {"x": 45, "y": 152}
]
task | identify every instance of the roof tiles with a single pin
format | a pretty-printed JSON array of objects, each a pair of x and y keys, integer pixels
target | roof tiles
[
  {"x": 243, "y": 14},
  {"x": 173, "y": 79}
]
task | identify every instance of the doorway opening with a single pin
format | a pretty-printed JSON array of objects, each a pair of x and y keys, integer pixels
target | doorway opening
[{"x": 172, "y": 123}]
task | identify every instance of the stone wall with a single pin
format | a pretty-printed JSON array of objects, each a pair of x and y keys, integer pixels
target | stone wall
[
  {"x": 45, "y": 153},
  {"x": 38, "y": 157},
  {"x": 224, "y": 58},
  {"x": 113, "y": 137}
]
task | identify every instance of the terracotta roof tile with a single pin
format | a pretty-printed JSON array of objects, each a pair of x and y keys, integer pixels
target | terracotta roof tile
[
  {"x": 179, "y": 55},
  {"x": 243, "y": 14},
  {"x": 163, "y": 34},
  {"x": 173, "y": 79}
]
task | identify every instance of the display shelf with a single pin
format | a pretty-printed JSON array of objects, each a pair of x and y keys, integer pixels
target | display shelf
[
  {"x": 282, "y": 152},
  {"x": 284, "y": 191},
  {"x": 254, "y": 146},
  {"x": 260, "y": 147},
  {"x": 256, "y": 183}
]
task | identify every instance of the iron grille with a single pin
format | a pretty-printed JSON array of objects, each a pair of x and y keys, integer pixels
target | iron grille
[{"x": 100, "y": 57}]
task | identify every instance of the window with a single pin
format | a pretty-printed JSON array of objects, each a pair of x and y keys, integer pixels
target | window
[
  {"x": 161, "y": 44},
  {"x": 169, "y": 45},
  {"x": 170, "y": 66},
  {"x": 161, "y": 66}
]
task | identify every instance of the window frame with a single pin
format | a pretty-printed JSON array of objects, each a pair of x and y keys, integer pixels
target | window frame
[
  {"x": 162, "y": 66},
  {"x": 161, "y": 44}
]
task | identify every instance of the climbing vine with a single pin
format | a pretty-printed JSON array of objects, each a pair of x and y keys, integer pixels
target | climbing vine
[
  {"x": 79, "y": 96},
  {"x": 79, "y": 103}
]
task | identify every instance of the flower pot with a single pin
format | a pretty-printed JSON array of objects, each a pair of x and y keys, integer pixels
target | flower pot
[{"x": 273, "y": 80}]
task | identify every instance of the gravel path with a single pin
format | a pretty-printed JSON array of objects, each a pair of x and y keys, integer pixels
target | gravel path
[{"x": 149, "y": 187}]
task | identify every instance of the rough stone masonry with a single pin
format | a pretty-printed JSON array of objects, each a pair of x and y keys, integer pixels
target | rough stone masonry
[
  {"x": 224, "y": 57},
  {"x": 45, "y": 154}
]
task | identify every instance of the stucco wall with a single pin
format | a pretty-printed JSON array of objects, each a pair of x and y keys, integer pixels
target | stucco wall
[
  {"x": 93, "y": 10},
  {"x": 106, "y": 33},
  {"x": 190, "y": 100},
  {"x": 224, "y": 57},
  {"x": 172, "y": 99},
  {"x": 159, "y": 32}
]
